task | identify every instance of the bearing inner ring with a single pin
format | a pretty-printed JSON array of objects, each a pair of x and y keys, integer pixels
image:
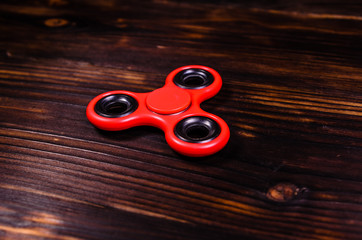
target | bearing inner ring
[
  {"x": 193, "y": 78},
  {"x": 197, "y": 129},
  {"x": 116, "y": 105}
]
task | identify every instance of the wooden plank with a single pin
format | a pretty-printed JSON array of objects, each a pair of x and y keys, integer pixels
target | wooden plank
[{"x": 292, "y": 97}]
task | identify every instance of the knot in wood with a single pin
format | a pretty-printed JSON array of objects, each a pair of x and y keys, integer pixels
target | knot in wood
[
  {"x": 284, "y": 192},
  {"x": 56, "y": 22}
]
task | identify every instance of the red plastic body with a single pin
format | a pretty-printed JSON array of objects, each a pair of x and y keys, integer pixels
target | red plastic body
[{"x": 164, "y": 108}]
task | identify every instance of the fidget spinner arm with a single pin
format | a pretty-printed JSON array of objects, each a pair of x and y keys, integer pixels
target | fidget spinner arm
[{"x": 174, "y": 108}]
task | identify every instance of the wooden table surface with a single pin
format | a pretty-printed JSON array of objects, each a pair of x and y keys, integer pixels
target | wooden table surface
[{"x": 291, "y": 95}]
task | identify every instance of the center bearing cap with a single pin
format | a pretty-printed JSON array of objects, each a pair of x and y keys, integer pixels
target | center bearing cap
[{"x": 168, "y": 100}]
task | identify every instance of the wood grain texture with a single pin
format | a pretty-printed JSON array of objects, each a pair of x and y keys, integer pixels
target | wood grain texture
[{"x": 292, "y": 96}]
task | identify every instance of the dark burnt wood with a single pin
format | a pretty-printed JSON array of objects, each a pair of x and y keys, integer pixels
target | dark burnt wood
[{"x": 292, "y": 96}]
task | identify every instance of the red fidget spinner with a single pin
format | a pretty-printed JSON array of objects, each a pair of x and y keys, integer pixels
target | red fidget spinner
[{"x": 174, "y": 108}]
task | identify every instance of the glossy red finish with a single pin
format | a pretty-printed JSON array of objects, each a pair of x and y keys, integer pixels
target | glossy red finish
[
  {"x": 168, "y": 100},
  {"x": 164, "y": 108}
]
